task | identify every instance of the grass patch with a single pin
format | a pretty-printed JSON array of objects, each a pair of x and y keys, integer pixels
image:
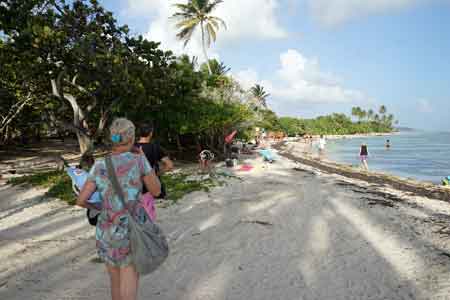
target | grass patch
[
  {"x": 60, "y": 186},
  {"x": 58, "y": 183},
  {"x": 177, "y": 186}
]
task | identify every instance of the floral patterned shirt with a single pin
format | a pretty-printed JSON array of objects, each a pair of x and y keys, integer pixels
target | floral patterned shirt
[{"x": 112, "y": 236}]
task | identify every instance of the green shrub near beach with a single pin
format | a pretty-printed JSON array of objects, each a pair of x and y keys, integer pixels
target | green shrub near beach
[
  {"x": 337, "y": 124},
  {"x": 59, "y": 185}
]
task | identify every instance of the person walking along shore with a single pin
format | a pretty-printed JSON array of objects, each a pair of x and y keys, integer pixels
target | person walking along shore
[
  {"x": 363, "y": 155},
  {"x": 112, "y": 230}
]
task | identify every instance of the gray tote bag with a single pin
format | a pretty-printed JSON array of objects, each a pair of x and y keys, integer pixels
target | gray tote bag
[{"x": 149, "y": 248}]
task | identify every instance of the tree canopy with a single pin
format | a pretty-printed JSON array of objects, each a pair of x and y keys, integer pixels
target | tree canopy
[{"x": 68, "y": 67}]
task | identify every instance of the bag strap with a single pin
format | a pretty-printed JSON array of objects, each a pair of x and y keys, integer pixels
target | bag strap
[{"x": 113, "y": 177}]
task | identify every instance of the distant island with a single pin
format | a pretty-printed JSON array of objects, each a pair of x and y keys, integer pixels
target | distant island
[
  {"x": 405, "y": 129},
  {"x": 360, "y": 122}
]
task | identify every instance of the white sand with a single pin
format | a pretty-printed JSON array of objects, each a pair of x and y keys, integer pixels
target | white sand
[{"x": 326, "y": 242}]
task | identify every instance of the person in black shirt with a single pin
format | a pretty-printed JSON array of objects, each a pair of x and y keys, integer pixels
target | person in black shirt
[{"x": 154, "y": 153}]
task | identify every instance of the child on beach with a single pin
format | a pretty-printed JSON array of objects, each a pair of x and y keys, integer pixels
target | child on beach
[{"x": 363, "y": 154}]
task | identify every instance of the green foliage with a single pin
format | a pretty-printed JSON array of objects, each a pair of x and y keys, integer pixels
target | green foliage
[
  {"x": 197, "y": 14},
  {"x": 269, "y": 121},
  {"x": 338, "y": 124},
  {"x": 260, "y": 96},
  {"x": 58, "y": 183},
  {"x": 178, "y": 186}
]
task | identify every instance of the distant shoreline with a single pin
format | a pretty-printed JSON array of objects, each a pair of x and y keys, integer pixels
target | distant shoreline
[
  {"x": 348, "y": 136},
  {"x": 359, "y": 135},
  {"x": 297, "y": 151}
]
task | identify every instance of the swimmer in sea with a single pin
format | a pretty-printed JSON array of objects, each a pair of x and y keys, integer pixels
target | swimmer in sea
[{"x": 388, "y": 144}]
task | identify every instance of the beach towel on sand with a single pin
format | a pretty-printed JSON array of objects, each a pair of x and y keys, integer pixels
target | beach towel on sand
[{"x": 267, "y": 155}]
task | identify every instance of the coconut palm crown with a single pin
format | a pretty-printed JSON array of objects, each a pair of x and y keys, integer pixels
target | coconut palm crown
[
  {"x": 260, "y": 95},
  {"x": 197, "y": 14}
]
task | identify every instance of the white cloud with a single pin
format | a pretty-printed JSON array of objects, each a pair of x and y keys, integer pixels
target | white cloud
[
  {"x": 300, "y": 82},
  {"x": 238, "y": 15},
  {"x": 424, "y": 106},
  {"x": 142, "y": 7},
  {"x": 335, "y": 12},
  {"x": 246, "y": 78}
]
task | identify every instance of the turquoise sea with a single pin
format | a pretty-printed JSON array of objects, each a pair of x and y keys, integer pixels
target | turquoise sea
[{"x": 419, "y": 155}]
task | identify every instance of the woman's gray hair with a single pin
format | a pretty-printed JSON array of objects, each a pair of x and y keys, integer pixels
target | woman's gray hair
[{"x": 122, "y": 131}]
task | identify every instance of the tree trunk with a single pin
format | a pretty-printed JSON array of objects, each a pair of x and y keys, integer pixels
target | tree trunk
[
  {"x": 85, "y": 142},
  {"x": 79, "y": 121},
  {"x": 180, "y": 148},
  {"x": 204, "y": 48}
]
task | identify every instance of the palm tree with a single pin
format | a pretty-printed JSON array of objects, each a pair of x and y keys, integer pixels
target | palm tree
[
  {"x": 217, "y": 68},
  {"x": 390, "y": 120},
  {"x": 377, "y": 118},
  {"x": 194, "y": 14},
  {"x": 370, "y": 114},
  {"x": 260, "y": 95},
  {"x": 363, "y": 114},
  {"x": 354, "y": 111},
  {"x": 382, "y": 109}
]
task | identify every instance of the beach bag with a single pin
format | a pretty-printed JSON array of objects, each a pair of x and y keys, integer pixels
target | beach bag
[
  {"x": 149, "y": 248},
  {"x": 148, "y": 203}
]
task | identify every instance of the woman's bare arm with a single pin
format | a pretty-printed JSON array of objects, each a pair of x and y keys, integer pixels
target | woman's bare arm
[
  {"x": 152, "y": 184},
  {"x": 86, "y": 192}
]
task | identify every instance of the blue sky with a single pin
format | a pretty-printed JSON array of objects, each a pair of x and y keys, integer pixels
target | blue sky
[{"x": 321, "y": 56}]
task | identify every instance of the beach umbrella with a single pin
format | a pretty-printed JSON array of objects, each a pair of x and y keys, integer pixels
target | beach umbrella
[{"x": 229, "y": 138}]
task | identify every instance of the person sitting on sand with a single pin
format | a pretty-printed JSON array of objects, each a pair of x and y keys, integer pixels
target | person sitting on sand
[{"x": 363, "y": 154}]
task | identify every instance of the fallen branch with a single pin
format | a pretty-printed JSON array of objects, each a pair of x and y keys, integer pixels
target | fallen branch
[{"x": 264, "y": 223}]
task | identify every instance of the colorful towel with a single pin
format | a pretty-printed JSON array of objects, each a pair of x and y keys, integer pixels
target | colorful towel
[
  {"x": 267, "y": 154},
  {"x": 246, "y": 168}
]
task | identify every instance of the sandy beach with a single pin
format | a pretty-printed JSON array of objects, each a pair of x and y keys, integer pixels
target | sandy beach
[{"x": 282, "y": 231}]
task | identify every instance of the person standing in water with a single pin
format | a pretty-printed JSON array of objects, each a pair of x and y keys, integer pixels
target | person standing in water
[
  {"x": 388, "y": 144},
  {"x": 363, "y": 154},
  {"x": 322, "y": 143}
]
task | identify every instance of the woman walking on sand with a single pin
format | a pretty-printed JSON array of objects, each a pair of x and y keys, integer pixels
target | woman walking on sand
[
  {"x": 112, "y": 233},
  {"x": 363, "y": 154}
]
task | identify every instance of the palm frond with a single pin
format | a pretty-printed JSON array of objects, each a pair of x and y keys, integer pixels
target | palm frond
[
  {"x": 214, "y": 23},
  {"x": 188, "y": 23},
  {"x": 186, "y": 34},
  {"x": 211, "y": 6},
  {"x": 211, "y": 32},
  {"x": 183, "y": 16},
  {"x": 219, "y": 20}
]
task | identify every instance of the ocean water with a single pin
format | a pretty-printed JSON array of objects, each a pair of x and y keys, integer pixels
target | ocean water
[{"x": 419, "y": 155}]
